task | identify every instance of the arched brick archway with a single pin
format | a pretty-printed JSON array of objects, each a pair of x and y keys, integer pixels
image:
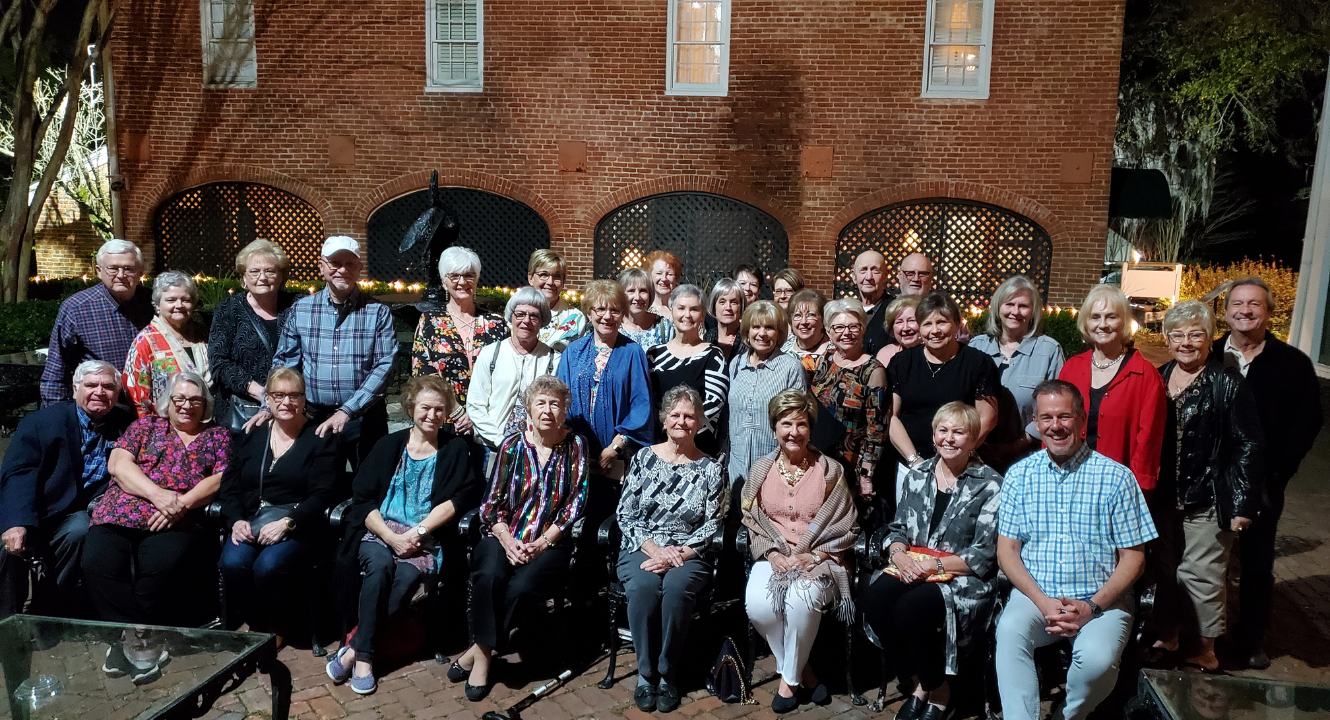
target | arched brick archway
[
  {"x": 419, "y": 180},
  {"x": 691, "y": 183},
  {"x": 175, "y": 184}
]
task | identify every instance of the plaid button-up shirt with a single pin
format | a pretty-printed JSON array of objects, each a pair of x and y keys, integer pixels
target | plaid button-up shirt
[
  {"x": 91, "y": 325},
  {"x": 345, "y": 358},
  {"x": 1071, "y": 520}
]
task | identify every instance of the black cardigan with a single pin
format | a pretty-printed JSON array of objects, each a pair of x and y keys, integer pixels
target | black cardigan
[
  {"x": 458, "y": 474},
  {"x": 236, "y": 352},
  {"x": 306, "y": 474}
]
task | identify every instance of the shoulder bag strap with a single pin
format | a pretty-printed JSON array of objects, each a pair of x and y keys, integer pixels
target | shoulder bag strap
[{"x": 254, "y": 320}]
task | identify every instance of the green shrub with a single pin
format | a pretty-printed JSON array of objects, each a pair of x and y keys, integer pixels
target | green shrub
[
  {"x": 1060, "y": 326},
  {"x": 27, "y": 325}
]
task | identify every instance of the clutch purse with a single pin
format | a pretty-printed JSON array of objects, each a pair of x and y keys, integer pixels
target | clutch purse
[{"x": 923, "y": 554}]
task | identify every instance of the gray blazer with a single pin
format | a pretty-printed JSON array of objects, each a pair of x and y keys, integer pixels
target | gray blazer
[{"x": 968, "y": 529}]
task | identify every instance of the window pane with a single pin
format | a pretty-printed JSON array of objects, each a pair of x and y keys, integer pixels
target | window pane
[
  {"x": 955, "y": 66},
  {"x": 698, "y": 20},
  {"x": 455, "y": 20},
  {"x": 697, "y": 64},
  {"x": 958, "y": 21},
  {"x": 457, "y": 63}
]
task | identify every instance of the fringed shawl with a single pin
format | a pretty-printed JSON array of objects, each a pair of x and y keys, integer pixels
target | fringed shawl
[{"x": 832, "y": 531}]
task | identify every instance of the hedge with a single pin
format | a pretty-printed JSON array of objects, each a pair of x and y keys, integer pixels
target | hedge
[{"x": 1060, "y": 326}]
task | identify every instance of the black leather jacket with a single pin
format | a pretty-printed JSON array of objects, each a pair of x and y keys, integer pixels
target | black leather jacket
[{"x": 1219, "y": 460}]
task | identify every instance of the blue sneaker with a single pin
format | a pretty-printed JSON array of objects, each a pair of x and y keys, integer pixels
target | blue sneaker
[
  {"x": 364, "y": 685},
  {"x": 336, "y": 670}
]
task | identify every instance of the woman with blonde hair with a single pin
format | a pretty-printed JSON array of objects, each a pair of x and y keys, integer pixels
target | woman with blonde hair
[
  {"x": 547, "y": 273},
  {"x": 642, "y": 324},
  {"x": 245, "y": 329},
  {"x": 902, "y": 327},
  {"x": 808, "y": 338},
  {"x": 757, "y": 375},
  {"x": 1124, "y": 396}
]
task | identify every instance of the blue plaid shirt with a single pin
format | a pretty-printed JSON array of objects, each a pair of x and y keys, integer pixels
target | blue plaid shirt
[
  {"x": 96, "y": 447},
  {"x": 345, "y": 358},
  {"x": 91, "y": 325},
  {"x": 1071, "y": 520}
]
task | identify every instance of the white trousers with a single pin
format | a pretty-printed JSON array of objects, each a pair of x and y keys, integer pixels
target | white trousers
[{"x": 791, "y": 637}]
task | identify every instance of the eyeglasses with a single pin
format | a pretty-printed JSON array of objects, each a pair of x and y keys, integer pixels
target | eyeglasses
[
  {"x": 917, "y": 274},
  {"x": 1194, "y": 336},
  {"x": 611, "y": 311},
  {"x": 181, "y": 401},
  {"x": 842, "y": 329},
  {"x": 125, "y": 270},
  {"x": 778, "y": 292},
  {"x": 797, "y": 317},
  {"x": 545, "y": 276},
  {"x": 257, "y": 273},
  {"x": 281, "y": 397},
  {"x": 459, "y": 278},
  {"x": 520, "y": 315}
]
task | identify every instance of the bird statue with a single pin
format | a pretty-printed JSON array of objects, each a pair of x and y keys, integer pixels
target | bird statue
[{"x": 439, "y": 227}]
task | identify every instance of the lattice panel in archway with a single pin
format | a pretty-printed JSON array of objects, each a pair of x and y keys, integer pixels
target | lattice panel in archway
[
  {"x": 974, "y": 247},
  {"x": 502, "y": 231},
  {"x": 202, "y": 229},
  {"x": 709, "y": 233}
]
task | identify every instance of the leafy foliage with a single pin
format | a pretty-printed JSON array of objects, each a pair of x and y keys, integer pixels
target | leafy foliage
[
  {"x": 1059, "y": 324},
  {"x": 1200, "y": 281},
  {"x": 26, "y": 325}
]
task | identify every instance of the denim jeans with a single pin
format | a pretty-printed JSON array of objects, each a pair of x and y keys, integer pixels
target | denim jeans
[{"x": 260, "y": 579}]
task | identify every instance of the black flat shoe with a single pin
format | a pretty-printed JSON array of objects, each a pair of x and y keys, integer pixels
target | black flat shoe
[
  {"x": 911, "y": 709},
  {"x": 645, "y": 698},
  {"x": 820, "y": 695},
  {"x": 781, "y": 705},
  {"x": 667, "y": 698},
  {"x": 1258, "y": 661},
  {"x": 476, "y": 693},
  {"x": 456, "y": 673},
  {"x": 933, "y": 712}
]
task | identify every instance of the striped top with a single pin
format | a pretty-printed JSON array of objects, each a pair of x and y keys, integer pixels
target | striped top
[
  {"x": 704, "y": 372},
  {"x": 751, "y": 389},
  {"x": 529, "y": 498}
]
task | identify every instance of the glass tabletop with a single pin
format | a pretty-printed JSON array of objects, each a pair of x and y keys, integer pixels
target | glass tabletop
[
  {"x": 1195, "y": 696},
  {"x": 56, "y": 668}
]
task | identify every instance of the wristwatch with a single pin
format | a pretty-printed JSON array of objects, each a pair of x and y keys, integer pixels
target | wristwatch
[
  {"x": 421, "y": 531},
  {"x": 290, "y": 523},
  {"x": 1095, "y": 610}
]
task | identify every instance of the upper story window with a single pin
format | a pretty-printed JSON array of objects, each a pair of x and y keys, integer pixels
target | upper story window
[
  {"x": 229, "y": 56},
  {"x": 957, "y": 48},
  {"x": 456, "y": 45},
  {"x": 699, "y": 48}
]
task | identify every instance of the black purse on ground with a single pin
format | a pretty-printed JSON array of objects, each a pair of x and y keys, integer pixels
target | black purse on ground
[{"x": 727, "y": 676}]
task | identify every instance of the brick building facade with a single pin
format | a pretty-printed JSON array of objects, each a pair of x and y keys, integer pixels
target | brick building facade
[{"x": 340, "y": 118}]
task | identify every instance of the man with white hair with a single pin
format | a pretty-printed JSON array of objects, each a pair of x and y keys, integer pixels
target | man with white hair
[
  {"x": 870, "y": 278},
  {"x": 101, "y": 322},
  {"x": 1288, "y": 405},
  {"x": 54, "y": 469},
  {"x": 343, "y": 342}
]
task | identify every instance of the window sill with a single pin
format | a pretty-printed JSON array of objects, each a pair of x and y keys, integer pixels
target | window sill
[{"x": 445, "y": 89}]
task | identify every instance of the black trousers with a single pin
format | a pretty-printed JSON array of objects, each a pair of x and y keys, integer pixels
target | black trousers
[
  {"x": 129, "y": 573},
  {"x": 386, "y": 586},
  {"x": 57, "y": 547},
  {"x": 1256, "y": 547},
  {"x": 500, "y": 591},
  {"x": 358, "y": 437},
  {"x": 910, "y": 620}
]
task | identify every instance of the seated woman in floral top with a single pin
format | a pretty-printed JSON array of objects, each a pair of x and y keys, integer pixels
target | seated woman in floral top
[
  {"x": 672, "y": 503},
  {"x": 449, "y": 341},
  {"x": 162, "y": 468}
]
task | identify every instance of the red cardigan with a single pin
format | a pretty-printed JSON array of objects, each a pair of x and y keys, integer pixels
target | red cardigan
[{"x": 1131, "y": 414}]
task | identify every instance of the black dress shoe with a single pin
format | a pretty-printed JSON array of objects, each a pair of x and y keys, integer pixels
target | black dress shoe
[
  {"x": 1259, "y": 660},
  {"x": 645, "y": 697},
  {"x": 781, "y": 705},
  {"x": 934, "y": 712},
  {"x": 476, "y": 693},
  {"x": 820, "y": 695},
  {"x": 911, "y": 709},
  {"x": 667, "y": 698},
  {"x": 456, "y": 673}
]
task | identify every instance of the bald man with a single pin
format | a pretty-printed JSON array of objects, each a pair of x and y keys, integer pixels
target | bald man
[
  {"x": 870, "y": 277},
  {"x": 915, "y": 275}
]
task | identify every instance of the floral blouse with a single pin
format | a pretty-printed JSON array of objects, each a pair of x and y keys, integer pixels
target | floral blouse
[
  {"x": 566, "y": 324},
  {"x": 154, "y": 356},
  {"x": 163, "y": 457},
  {"x": 860, "y": 407},
  {"x": 658, "y": 334},
  {"x": 438, "y": 348}
]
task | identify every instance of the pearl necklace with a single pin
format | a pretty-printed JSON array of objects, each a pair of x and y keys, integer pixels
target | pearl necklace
[
  {"x": 786, "y": 472},
  {"x": 1108, "y": 364}
]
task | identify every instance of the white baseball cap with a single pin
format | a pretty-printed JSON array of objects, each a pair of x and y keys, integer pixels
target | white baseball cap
[{"x": 338, "y": 243}]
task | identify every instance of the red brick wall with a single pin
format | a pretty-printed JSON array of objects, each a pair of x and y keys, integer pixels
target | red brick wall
[
  {"x": 836, "y": 73},
  {"x": 66, "y": 240}
]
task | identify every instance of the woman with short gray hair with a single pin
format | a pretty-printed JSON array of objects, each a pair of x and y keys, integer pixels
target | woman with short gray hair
[
  {"x": 688, "y": 360},
  {"x": 672, "y": 503},
  {"x": 1210, "y": 485},
  {"x": 505, "y": 369},
  {"x": 1024, "y": 358},
  {"x": 448, "y": 342},
  {"x": 175, "y": 341},
  {"x": 726, "y": 305}
]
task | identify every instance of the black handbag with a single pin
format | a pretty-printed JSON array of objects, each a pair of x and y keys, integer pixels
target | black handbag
[
  {"x": 727, "y": 676},
  {"x": 267, "y": 511},
  {"x": 240, "y": 411}
]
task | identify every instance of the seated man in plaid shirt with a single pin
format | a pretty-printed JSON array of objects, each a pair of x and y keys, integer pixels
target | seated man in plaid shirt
[
  {"x": 1072, "y": 529},
  {"x": 343, "y": 342}
]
